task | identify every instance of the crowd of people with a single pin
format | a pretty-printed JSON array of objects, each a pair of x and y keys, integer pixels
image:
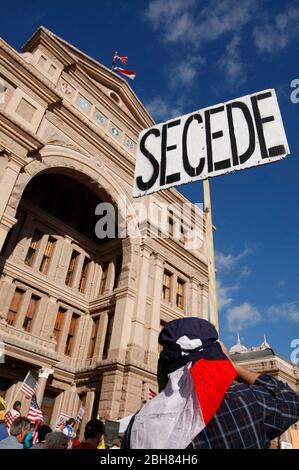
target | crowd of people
[{"x": 20, "y": 434}]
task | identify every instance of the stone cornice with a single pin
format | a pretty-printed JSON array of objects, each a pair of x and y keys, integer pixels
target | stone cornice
[
  {"x": 44, "y": 37},
  {"x": 67, "y": 54},
  {"x": 20, "y": 72},
  {"x": 82, "y": 78},
  {"x": 20, "y": 134}
]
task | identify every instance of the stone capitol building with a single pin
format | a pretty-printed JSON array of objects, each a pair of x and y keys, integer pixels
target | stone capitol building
[{"x": 82, "y": 314}]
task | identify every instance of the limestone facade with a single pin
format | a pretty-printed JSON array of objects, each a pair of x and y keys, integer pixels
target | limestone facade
[{"x": 82, "y": 314}]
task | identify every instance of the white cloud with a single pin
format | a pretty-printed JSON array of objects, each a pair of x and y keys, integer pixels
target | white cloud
[
  {"x": 224, "y": 294},
  {"x": 288, "y": 311},
  {"x": 161, "y": 109},
  {"x": 228, "y": 262},
  {"x": 185, "y": 72},
  {"x": 183, "y": 20},
  {"x": 276, "y": 33},
  {"x": 242, "y": 316},
  {"x": 245, "y": 272},
  {"x": 231, "y": 63}
]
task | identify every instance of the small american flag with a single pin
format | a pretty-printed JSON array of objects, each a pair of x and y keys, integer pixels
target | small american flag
[
  {"x": 34, "y": 413},
  {"x": 10, "y": 416},
  {"x": 29, "y": 386},
  {"x": 36, "y": 417},
  {"x": 151, "y": 394}
]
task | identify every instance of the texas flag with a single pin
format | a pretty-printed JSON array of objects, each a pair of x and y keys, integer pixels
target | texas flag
[
  {"x": 196, "y": 376},
  {"x": 128, "y": 73}
]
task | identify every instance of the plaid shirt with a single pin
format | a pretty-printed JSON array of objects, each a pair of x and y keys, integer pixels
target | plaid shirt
[{"x": 250, "y": 416}]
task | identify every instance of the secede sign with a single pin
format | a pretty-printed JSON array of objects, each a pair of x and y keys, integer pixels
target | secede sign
[{"x": 232, "y": 136}]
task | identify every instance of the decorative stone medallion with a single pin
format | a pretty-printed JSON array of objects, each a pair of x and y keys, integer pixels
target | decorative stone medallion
[
  {"x": 100, "y": 118},
  {"x": 66, "y": 88},
  {"x": 129, "y": 144},
  {"x": 83, "y": 103},
  {"x": 115, "y": 132}
]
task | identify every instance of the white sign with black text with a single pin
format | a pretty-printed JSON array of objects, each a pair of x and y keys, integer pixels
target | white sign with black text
[{"x": 239, "y": 134}]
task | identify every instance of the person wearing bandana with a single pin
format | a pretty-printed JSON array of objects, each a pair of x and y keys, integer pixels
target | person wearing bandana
[{"x": 207, "y": 402}]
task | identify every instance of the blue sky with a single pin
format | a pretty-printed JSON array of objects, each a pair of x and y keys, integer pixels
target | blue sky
[{"x": 190, "y": 54}]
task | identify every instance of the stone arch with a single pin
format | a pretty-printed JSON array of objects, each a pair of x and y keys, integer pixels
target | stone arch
[{"x": 55, "y": 158}]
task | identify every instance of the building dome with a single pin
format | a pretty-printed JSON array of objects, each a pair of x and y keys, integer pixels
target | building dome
[{"x": 237, "y": 348}]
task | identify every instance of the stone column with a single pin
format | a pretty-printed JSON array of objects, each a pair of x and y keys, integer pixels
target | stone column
[
  {"x": 42, "y": 382},
  {"x": 154, "y": 331},
  {"x": 193, "y": 307},
  {"x": 39, "y": 316},
  {"x": 77, "y": 345},
  {"x": 49, "y": 319},
  {"x": 56, "y": 410},
  {"x": 138, "y": 324},
  {"x": 70, "y": 401},
  {"x": 78, "y": 272},
  {"x": 205, "y": 301},
  {"x": 7, "y": 183},
  {"x": 7, "y": 290},
  {"x": 111, "y": 394},
  {"x": 110, "y": 278},
  {"x": 100, "y": 341},
  {"x": 121, "y": 332},
  {"x": 64, "y": 260},
  {"x": 83, "y": 343},
  {"x": 173, "y": 290},
  {"x": 6, "y": 223},
  {"x": 90, "y": 396},
  {"x": 64, "y": 332}
]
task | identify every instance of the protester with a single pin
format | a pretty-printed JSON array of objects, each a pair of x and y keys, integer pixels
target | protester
[
  {"x": 3, "y": 429},
  {"x": 68, "y": 429},
  {"x": 116, "y": 444},
  {"x": 93, "y": 434},
  {"x": 18, "y": 432},
  {"x": 41, "y": 436},
  {"x": 76, "y": 441},
  {"x": 200, "y": 406},
  {"x": 12, "y": 414},
  {"x": 28, "y": 441},
  {"x": 56, "y": 440}
]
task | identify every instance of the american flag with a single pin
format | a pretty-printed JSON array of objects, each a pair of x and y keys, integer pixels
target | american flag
[
  {"x": 29, "y": 386},
  {"x": 34, "y": 414},
  {"x": 36, "y": 417},
  {"x": 10, "y": 416},
  {"x": 151, "y": 394}
]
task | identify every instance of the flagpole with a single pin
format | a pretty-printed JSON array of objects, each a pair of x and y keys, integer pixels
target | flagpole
[
  {"x": 213, "y": 307},
  {"x": 113, "y": 61},
  {"x": 11, "y": 401}
]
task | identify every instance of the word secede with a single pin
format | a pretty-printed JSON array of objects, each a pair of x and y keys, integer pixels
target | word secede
[{"x": 232, "y": 136}]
